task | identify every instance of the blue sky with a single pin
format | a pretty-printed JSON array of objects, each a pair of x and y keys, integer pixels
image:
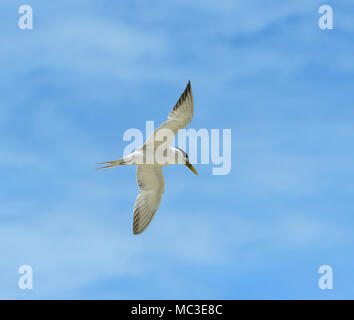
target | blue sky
[{"x": 89, "y": 70}]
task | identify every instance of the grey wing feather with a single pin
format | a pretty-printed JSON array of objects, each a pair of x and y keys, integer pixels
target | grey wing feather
[
  {"x": 179, "y": 117},
  {"x": 151, "y": 184}
]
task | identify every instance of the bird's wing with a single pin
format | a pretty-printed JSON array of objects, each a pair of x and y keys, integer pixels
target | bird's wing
[
  {"x": 178, "y": 118},
  {"x": 151, "y": 184}
]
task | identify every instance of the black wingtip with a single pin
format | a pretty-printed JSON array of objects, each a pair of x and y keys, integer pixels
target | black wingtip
[{"x": 189, "y": 87}]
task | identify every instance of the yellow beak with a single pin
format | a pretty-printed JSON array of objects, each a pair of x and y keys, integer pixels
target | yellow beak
[{"x": 188, "y": 164}]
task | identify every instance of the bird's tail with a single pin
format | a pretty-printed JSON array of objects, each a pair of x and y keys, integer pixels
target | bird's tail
[{"x": 110, "y": 164}]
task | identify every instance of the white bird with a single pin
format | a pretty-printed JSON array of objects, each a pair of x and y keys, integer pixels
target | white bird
[{"x": 152, "y": 156}]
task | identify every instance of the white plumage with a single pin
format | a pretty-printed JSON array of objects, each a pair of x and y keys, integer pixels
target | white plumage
[{"x": 152, "y": 156}]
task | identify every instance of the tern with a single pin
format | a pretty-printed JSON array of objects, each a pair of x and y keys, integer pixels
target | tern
[{"x": 152, "y": 156}]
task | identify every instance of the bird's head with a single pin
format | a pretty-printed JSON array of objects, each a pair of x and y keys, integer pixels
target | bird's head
[{"x": 183, "y": 158}]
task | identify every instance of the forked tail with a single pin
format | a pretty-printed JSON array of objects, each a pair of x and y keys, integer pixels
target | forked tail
[{"x": 111, "y": 164}]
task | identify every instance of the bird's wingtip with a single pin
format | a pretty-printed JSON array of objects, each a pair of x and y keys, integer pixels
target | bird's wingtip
[{"x": 137, "y": 231}]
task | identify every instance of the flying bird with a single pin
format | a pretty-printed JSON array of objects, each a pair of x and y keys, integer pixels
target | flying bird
[{"x": 152, "y": 156}]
